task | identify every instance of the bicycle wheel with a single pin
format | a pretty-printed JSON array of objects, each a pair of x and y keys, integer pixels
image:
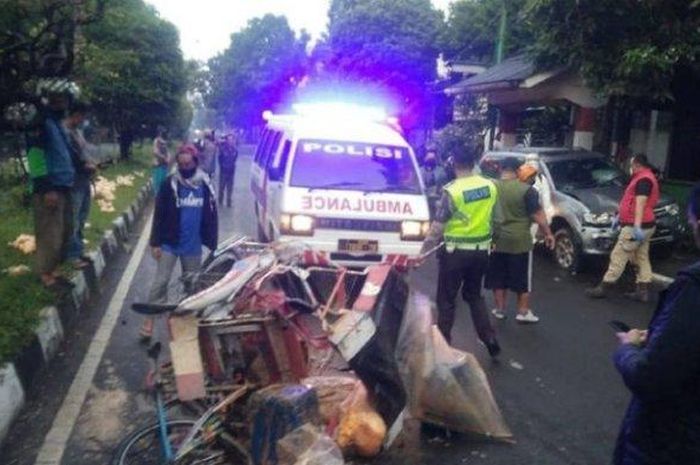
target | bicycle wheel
[{"x": 143, "y": 447}]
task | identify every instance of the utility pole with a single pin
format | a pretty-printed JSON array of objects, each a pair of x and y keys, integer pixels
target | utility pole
[
  {"x": 499, "y": 52},
  {"x": 502, "y": 29}
]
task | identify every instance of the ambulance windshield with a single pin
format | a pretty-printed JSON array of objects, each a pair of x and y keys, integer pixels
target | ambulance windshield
[{"x": 354, "y": 166}]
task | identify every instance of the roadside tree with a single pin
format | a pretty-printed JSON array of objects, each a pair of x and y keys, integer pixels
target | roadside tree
[
  {"x": 472, "y": 31},
  {"x": 642, "y": 48},
  {"x": 387, "y": 43},
  {"x": 38, "y": 39},
  {"x": 262, "y": 65},
  {"x": 134, "y": 73}
]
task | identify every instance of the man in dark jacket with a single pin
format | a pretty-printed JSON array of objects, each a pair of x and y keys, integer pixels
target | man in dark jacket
[
  {"x": 228, "y": 153},
  {"x": 661, "y": 366},
  {"x": 185, "y": 219},
  {"x": 81, "y": 192},
  {"x": 53, "y": 176}
]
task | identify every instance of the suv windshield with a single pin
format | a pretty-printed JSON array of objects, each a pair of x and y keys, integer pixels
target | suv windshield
[
  {"x": 354, "y": 166},
  {"x": 585, "y": 173}
]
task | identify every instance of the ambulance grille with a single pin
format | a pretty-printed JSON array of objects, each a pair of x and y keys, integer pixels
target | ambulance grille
[{"x": 358, "y": 225}]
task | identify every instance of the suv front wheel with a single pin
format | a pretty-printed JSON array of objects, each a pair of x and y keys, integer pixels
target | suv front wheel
[{"x": 567, "y": 249}]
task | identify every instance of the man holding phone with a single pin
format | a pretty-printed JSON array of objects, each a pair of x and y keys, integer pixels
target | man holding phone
[{"x": 661, "y": 367}]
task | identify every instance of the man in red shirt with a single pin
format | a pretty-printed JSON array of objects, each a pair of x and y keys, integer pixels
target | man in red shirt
[{"x": 638, "y": 224}]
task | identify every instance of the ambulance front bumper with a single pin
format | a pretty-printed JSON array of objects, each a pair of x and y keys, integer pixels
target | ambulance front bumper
[{"x": 390, "y": 248}]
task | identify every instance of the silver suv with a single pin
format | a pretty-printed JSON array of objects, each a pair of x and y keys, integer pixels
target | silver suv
[{"x": 580, "y": 192}]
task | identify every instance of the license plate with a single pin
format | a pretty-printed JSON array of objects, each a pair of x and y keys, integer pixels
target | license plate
[{"x": 358, "y": 246}]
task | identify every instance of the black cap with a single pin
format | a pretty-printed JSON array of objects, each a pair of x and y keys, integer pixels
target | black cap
[
  {"x": 467, "y": 156},
  {"x": 511, "y": 164}
]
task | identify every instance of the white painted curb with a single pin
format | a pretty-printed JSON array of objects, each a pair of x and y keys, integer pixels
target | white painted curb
[
  {"x": 49, "y": 332},
  {"x": 11, "y": 397},
  {"x": 98, "y": 261}
]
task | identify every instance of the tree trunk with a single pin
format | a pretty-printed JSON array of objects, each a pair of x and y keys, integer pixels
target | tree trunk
[{"x": 126, "y": 139}]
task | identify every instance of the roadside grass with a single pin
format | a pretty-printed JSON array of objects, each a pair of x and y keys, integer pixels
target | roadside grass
[
  {"x": 22, "y": 297},
  {"x": 100, "y": 221}
]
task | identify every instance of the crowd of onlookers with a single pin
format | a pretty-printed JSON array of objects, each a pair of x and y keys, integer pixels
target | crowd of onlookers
[{"x": 62, "y": 171}]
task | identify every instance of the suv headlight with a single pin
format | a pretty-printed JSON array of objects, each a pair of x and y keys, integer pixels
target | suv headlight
[
  {"x": 414, "y": 230},
  {"x": 600, "y": 219},
  {"x": 297, "y": 225}
]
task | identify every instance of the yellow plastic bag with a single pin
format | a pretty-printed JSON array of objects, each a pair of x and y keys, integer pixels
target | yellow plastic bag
[{"x": 362, "y": 430}]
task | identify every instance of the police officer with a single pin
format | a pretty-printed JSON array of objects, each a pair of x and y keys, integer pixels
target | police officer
[{"x": 464, "y": 220}]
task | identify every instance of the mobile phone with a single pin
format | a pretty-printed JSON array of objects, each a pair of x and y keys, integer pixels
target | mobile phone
[{"x": 619, "y": 326}]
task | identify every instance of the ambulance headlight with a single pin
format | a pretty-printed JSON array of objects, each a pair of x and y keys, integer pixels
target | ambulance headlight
[
  {"x": 414, "y": 230},
  {"x": 299, "y": 225}
]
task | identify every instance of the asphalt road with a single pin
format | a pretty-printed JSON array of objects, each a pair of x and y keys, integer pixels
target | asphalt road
[{"x": 555, "y": 382}]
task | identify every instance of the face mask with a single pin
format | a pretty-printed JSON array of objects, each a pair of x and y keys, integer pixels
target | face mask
[{"x": 188, "y": 173}]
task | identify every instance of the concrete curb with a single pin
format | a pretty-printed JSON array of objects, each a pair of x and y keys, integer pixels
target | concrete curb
[{"x": 17, "y": 377}]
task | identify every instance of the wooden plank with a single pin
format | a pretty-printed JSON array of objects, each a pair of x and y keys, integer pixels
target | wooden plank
[{"x": 189, "y": 370}]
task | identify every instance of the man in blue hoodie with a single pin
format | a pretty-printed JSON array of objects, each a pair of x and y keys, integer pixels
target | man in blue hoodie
[
  {"x": 661, "y": 367},
  {"x": 185, "y": 219},
  {"x": 51, "y": 187}
]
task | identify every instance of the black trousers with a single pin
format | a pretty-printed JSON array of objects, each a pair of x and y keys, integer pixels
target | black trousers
[
  {"x": 463, "y": 269},
  {"x": 226, "y": 178}
]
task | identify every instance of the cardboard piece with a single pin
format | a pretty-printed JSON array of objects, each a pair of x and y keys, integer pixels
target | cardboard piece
[{"x": 187, "y": 358}]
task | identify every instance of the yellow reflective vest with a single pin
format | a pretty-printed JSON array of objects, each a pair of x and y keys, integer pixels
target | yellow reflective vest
[{"x": 473, "y": 198}]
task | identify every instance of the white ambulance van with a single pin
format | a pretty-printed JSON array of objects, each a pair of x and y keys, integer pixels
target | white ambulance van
[{"x": 347, "y": 185}]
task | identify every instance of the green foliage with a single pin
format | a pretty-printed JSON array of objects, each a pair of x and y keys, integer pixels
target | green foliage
[
  {"x": 390, "y": 43},
  {"x": 467, "y": 133},
  {"x": 22, "y": 296},
  {"x": 37, "y": 38},
  {"x": 635, "y": 48},
  {"x": 261, "y": 66},
  {"x": 385, "y": 40},
  {"x": 138, "y": 165},
  {"x": 22, "y": 299},
  {"x": 133, "y": 71},
  {"x": 473, "y": 25}
]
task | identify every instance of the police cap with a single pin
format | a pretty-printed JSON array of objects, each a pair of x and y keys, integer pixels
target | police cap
[
  {"x": 511, "y": 164},
  {"x": 468, "y": 156}
]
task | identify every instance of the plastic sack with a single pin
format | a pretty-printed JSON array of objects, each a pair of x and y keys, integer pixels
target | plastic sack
[
  {"x": 332, "y": 392},
  {"x": 362, "y": 430},
  {"x": 274, "y": 412},
  {"x": 307, "y": 445},
  {"x": 445, "y": 386}
]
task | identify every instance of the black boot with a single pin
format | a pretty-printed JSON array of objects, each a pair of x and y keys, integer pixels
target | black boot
[
  {"x": 600, "y": 291},
  {"x": 640, "y": 293}
]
